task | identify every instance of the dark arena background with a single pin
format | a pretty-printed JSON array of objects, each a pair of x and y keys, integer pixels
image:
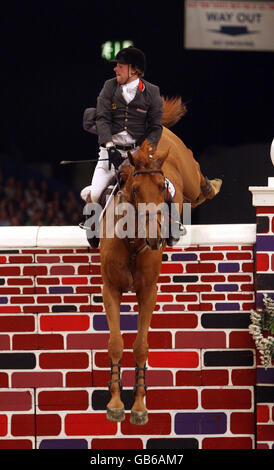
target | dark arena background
[{"x": 51, "y": 70}]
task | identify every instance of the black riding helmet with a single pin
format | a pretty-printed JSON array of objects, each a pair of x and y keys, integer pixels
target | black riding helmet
[{"x": 132, "y": 56}]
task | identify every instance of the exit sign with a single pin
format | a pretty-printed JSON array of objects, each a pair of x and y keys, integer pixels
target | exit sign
[{"x": 111, "y": 48}]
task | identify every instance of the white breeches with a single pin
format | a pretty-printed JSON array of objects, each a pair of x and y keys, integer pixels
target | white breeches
[{"x": 102, "y": 175}]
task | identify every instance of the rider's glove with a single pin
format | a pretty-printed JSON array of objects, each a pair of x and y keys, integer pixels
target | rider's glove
[{"x": 114, "y": 157}]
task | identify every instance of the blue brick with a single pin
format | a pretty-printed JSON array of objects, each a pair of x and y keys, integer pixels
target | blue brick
[
  {"x": 200, "y": 423},
  {"x": 228, "y": 267},
  {"x": 227, "y": 306},
  {"x": 226, "y": 287}
]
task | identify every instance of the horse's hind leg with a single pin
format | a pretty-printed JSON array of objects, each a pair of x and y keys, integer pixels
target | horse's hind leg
[
  {"x": 115, "y": 407},
  {"x": 146, "y": 299}
]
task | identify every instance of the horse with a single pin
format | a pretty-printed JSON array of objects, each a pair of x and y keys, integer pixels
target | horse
[{"x": 134, "y": 263}]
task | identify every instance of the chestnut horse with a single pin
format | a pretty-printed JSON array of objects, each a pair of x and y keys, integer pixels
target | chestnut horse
[{"x": 134, "y": 264}]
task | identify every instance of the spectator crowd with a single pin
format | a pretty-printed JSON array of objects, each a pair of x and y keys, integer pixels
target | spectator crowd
[{"x": 33, "y": 203}]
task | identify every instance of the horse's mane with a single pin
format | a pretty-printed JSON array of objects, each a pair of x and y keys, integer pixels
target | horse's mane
[{"x": 173, "y": 110}]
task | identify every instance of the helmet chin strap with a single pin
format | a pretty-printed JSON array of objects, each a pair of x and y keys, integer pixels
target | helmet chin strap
[{"x": 130, "y": 74}]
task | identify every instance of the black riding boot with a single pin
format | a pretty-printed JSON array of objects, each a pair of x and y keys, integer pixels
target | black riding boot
[{"x": 176, "y": 228}]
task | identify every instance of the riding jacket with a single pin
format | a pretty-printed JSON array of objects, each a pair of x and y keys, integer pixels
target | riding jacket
[{"x": 141, "y": 117}]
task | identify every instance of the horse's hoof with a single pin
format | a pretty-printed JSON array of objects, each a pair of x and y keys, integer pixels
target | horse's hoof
[
  {"x": 139, "y": 417},
  {"x": 115, "y": 414}
]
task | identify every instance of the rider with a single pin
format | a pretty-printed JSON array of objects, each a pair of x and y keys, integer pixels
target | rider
[{"x": 129, "y": 110}]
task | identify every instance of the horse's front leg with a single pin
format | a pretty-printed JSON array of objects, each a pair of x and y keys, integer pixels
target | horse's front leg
[
  {"x": 112, "y": 299},
  {"x": 146, "y": 299}
]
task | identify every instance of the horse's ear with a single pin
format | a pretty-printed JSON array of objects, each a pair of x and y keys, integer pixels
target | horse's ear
[
  {"x": 161, "y": 158},
  {"x": 130, "y": 157}
]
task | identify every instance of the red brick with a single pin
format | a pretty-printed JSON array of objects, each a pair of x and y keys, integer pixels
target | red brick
[
  {"x": 192, "y": 268},
  {"x": 172, "y": 288},
  {"x": 241, "y": 339},
  {"x": 35, "y": 270},
  {"x": 211, "y": 256},
  {"x": 89, "y": 269},
  {"x": 75, "y": 280},
  {"x": 4, "y": 380},
  {"x": 263, "y": 414},
  {"x": 173, "y": 308},
  {"x": 239, "y": 256},
  {"x": 180, "y": 359},
  {"x": 36, "y": 308},
  {"x": 20, "y": 281},
  {"x": 89, "y": 424},
  {"x": 37, "y": 342},
  {"x": 63, "y": 400},
  {"x": 61, "y": 269},
  {"x": 239, "y": 278},
  {"x": 71, "y": 299},
  {"x": 171, "y": 268},
  {"x": 226, "y": 399},
  {"x": 215, "y": 377},
  {"x": 101, "y": 359},
  {"x": 49, "y": 299},
  {"x": 3, "y": 259},
  {"x": 10, "y": 309},
  {"x": 88, "y": 341},
  {"x": 212, "y": 297},
  {"x": 242, "y": 423},
  {"x": 9, "y": 290},
  {"x": 88, "y": 290},
  {"x": 207, "y": 267},
  {"x": 48, "y": 425},
  {"x": 64, "y": 322},
  {"x": 23, "y": 425},
  {"x": 100, "y": 378},
  {"x": 66, "y": 360},
  {"x": 227, "y": 443},
  {"x": 200, "y": 339},
  {"x": 47, "y": 259},
  {"x": 163, "y": 338},
  {"x": 15, "y": 401},
  {"x": 4, "y": 342},
  {"x": 3, "y": 425},
  {"x": 80, "y": 379},
  {"x": 262, "y": 262},
  {"x": 117, "y": 443},
  {"x": 17, "y": 323},
  {"x": 265, "y": 432},
  {"x": 37, "y": 379},
  {"x": 172, "y": 399},
  {"x": 154, "y": 378},
  {"x": 174, "y": 320},
  {"x": 20, "y": 259},
  {"x": 16, "y": 444},
  {"x": 199, "y": 288},
  {"x": 248, "y": 267},
  {"x": 240, "y": 296},
  {"x": 158, "y": 424},
  {"x": 76, "y": 259},
  {"x": 225, "y": 248},
  {"x": 22, "y": 299},
  {"x": 186, "y": 298},
  {"x": 188, "y": 377},
  {"x": 10, "y": 271},
  {"x": 214, "y": 278},
  {"x": 54, "y": 281}
]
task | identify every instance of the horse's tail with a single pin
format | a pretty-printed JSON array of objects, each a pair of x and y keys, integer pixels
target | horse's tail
[{"x": 173, "y": 110}]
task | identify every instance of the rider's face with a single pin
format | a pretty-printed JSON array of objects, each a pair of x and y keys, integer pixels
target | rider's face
[{"x": 122, "y": 73}]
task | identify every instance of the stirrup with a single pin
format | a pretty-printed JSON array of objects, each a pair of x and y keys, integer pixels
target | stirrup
[
  {"x": 118, "y": 372},
  {"x": 137, "y": 369}
]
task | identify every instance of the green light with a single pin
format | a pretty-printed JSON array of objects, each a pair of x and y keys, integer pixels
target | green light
[{"x": 111, "y": 48}]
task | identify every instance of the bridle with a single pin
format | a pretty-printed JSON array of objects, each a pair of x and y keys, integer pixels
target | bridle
[{"x": 143, "y": 171}]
